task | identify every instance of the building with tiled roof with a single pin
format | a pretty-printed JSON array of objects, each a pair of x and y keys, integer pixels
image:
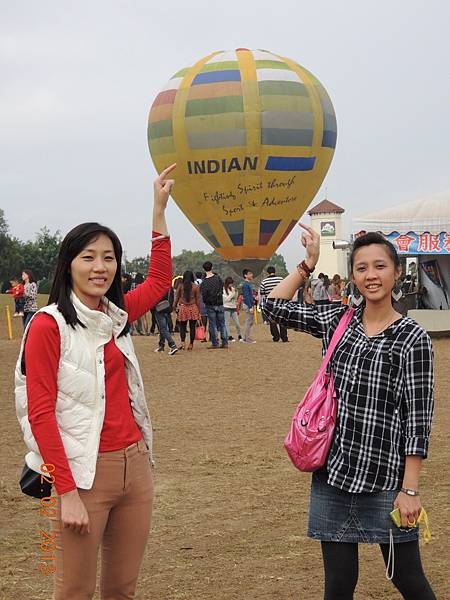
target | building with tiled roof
[
  {"x": 326, "y": 220},
  {"x": 325, "y": 207}
]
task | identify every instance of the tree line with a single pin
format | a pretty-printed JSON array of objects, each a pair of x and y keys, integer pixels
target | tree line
[
  {"x": 192, "y": 260},
  {"x": 40, "y": 255}
]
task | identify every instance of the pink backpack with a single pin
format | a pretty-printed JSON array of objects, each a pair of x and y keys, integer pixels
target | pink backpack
[{"x": 309, "y": 440}]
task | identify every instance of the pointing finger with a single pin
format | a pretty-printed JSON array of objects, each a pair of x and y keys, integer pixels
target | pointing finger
[
  {"x": 306, "y": 228},
  {"x": 166, "y": 171}
]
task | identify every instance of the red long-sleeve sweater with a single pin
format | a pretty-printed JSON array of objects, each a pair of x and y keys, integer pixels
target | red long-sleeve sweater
[
  {"x": 17, "y": 291},
  {"x": 42, "y": 354}
]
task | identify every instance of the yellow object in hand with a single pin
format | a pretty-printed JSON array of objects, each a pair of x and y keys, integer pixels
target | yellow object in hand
[{"x": 423, "y": 518}]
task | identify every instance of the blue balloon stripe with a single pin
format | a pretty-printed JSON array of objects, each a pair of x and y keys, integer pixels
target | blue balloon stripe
[
  {"x": 266, "y": 226},
  {"x": 290, "y": 163},
  {"x": 237, "y": 239},
  {"x": 217, "y": 76},
  {"x": 329, "y": 139},
  {"x": 235, "y": 230}
]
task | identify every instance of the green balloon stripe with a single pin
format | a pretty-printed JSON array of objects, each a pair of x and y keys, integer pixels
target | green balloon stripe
[
  {"x": 286, "y": 103},
  {"x": 218, "y": 122},
  {"x": 213, "y": 106},
  {"x": 160, "y": 129},
  {"x": 161, "y": 146},
  {"x": 226, "y": 65},
  {"x": 181, "y": 73},
  {"x": 288, "y": 88},
  {"x": 272, "y": 64}
]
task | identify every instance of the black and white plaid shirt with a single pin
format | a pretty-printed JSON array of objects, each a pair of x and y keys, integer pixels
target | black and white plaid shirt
[{"x": 384, "y": 386}]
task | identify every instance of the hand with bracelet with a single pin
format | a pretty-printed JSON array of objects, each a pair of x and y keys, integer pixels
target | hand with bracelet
[
  {"x": 311, "y": 242},
  {"x": 408, "y": 499}
]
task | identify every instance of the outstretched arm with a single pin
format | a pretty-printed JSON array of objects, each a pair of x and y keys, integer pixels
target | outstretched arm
[
  {"x": 162, "y": 188},
  {"x": 290, "y": 284},
  {"x": 159, "y": 277},
  {"x": 312, "y": 319}
]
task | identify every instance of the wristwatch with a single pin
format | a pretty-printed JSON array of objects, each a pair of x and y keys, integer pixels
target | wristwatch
[{"x": 409, "y": 491}]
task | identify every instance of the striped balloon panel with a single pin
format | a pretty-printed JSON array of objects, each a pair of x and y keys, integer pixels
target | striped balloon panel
[
  {"x": 286, "y": 110},
  {"x": 329, "y": 135},
  {"x": 214, "y": 112},
  {"x": 160, "y": 129}
]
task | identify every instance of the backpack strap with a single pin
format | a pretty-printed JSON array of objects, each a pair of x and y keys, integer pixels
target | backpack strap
[{"x": 337, "y": 335}]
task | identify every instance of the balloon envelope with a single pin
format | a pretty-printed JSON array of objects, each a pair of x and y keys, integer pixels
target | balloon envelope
[{"x": 253, "y": 135}]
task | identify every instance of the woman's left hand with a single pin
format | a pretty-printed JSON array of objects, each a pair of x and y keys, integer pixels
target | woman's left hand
[
  {"x": 410, "y": 507},
  {"x": 162, "y": 188}
]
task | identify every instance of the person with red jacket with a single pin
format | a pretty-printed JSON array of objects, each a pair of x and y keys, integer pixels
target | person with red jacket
[
  {"x": 81, "y": 405},
  {"x": 17, "y": 291}
]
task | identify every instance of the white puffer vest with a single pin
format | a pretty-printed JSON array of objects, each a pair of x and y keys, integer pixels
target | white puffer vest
[{"x": 80, "y": 403}]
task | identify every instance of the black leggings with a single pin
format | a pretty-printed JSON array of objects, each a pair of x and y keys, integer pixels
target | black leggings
[
  {"x": 183, "y": 329},
  {"x": 341, "y": 570}
]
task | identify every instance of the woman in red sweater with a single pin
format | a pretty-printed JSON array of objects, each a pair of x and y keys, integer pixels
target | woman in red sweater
[{"x": 81, "y": 406}]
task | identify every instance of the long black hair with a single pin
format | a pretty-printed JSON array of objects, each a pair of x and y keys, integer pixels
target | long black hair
[
  {"x": 228, "y": 283},
  {"x": 188, "y": 280},
  {"x": 31, "y": 277},
  {"x": 75, "y": 241}
]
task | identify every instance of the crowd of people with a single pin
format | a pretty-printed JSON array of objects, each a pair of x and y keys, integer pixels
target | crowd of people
[
  {"x": 194, "y": 302},
  {"x": 199, "y": 300},
  {"x": 223, "y": 304},
  {"x": 202, "y": 300},
  {"x": 80, "y": 400}
]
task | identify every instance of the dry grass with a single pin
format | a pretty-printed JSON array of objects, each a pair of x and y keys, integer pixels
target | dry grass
[{"x": 230, "y": 514}]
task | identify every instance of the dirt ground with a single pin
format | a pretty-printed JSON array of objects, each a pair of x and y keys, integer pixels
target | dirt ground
[{"x": 230, "y": 512}]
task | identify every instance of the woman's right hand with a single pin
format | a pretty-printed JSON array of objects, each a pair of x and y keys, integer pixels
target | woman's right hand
[
  {"x": 162, "y": 188},
  {"x": 74, "y": 515},
  {"x": 311, "y": 242}
]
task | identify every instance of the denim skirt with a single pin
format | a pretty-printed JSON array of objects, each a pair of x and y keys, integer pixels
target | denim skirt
[{"x": 339, "y": 516}]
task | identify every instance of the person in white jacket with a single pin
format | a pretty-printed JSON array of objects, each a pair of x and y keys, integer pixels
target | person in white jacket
[
  {"x": 230, "y": 295},
  {"x": 80, "y": 403}
]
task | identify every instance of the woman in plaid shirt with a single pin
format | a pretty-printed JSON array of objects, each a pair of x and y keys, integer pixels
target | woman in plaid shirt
[{"x": 383, "y": 372}]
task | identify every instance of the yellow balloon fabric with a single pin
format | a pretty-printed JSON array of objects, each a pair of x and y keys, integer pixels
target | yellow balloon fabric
[{"x": 253, "y": 135}]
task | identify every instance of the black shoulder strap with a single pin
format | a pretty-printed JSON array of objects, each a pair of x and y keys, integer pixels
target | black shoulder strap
[{"x": 23, "y": 368}]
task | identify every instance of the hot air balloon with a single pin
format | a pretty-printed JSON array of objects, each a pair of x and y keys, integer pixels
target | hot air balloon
[{"x": 253, "y": 135}]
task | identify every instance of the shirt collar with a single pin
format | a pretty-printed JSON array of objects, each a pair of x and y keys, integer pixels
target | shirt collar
[
  {"x": 108, "y": 312},
  {"x": 392, "y": 329}
]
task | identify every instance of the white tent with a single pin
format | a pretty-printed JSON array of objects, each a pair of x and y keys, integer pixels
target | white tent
[
  {"x": 431, "y": 214},
  {"x": 420, "y": 228}
]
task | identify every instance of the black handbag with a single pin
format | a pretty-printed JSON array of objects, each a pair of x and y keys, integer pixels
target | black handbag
[
  {"x": 162, "y": 306},
  {"x": 34, "y": 484},
  {"x": 31, "y": 483}
]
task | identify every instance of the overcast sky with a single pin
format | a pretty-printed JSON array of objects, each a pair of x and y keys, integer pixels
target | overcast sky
[{"x": 78, "y": 78}]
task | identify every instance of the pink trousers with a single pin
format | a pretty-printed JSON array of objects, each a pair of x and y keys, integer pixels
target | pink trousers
[{"x": 119, "y": 505}]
